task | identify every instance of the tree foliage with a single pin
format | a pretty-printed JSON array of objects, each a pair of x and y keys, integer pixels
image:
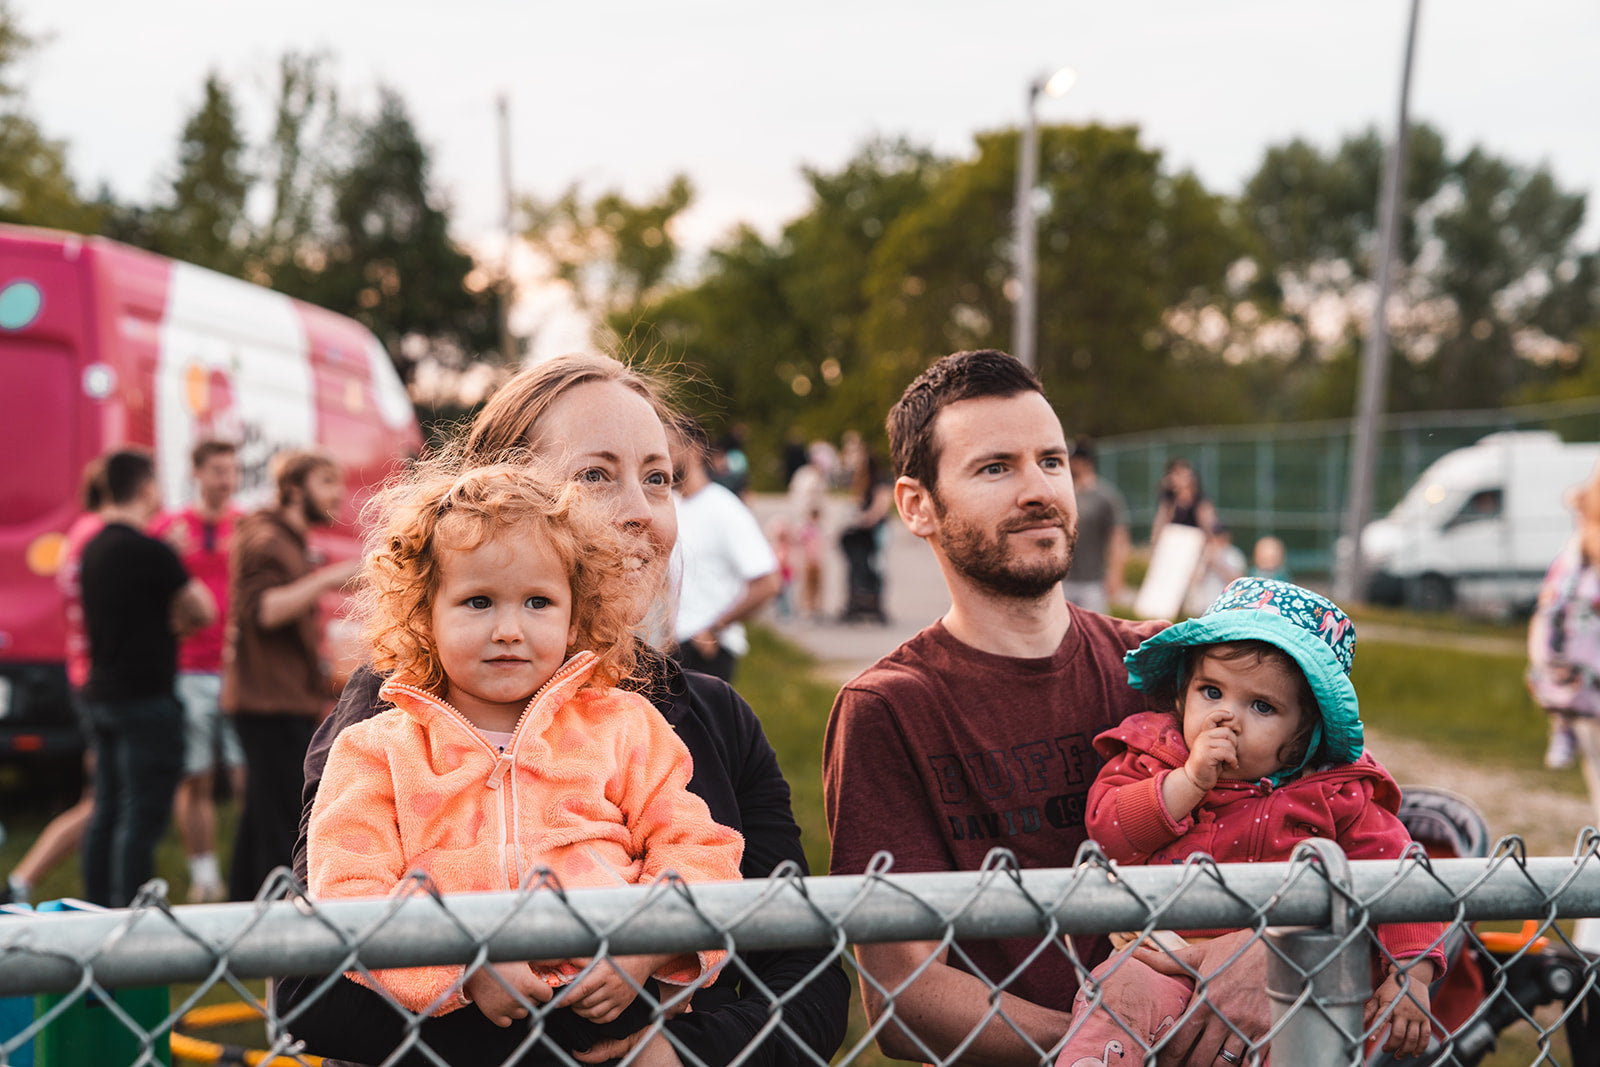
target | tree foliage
[
  {"x": 36, "y": 186},
  {"x": 203, "y": 221},
  {"x": 389, "y": 258},
  {"x": 1492, "y": 290},
  {"x": 611, "y": 253}
]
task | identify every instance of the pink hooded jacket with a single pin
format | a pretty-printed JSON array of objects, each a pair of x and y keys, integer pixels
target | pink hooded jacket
[
  {"x": 593, "y": 786},
  {"x": 1353, "y": 804}
]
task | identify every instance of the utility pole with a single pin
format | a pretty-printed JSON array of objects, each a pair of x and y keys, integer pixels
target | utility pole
[
  {"x": 505, "y": 290},
  {"x": 1350, "y": 569},
  {"x": 1024, "y": 330}
]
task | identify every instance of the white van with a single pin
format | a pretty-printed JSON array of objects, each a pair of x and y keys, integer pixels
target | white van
[{"x": 1481, "y": 525}]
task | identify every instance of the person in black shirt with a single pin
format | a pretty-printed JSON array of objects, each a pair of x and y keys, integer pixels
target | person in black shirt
[{"x": 137, "y": 600}]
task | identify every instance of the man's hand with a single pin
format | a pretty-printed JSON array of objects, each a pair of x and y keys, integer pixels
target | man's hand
[
  {"x": 658, "y": 1053},
  {"x": 1236, "y": 992},
  {"x": 706, "y": 643},
  {"x": 491, "y": 997}
]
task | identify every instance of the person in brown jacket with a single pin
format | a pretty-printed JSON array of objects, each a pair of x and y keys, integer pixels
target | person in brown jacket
[{"x": 274, "y": 685}]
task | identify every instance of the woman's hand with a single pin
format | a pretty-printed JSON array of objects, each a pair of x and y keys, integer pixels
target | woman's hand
[{"x": 486, "y": 988}]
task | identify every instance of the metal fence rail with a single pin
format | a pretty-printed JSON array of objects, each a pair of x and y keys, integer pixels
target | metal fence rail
[{"x": 84, "y": 955}]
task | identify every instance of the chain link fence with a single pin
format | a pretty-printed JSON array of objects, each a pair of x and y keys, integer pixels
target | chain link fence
[
  {"x": 1289, "y": 480},
  {"x": 1309, "y": 939}
]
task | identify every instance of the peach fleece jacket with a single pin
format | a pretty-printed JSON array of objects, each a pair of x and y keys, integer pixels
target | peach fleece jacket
[{"x": 593, "y": 786}]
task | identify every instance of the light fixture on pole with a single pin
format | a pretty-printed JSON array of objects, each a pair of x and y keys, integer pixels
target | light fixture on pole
[{"x": 1024, "y": 324}]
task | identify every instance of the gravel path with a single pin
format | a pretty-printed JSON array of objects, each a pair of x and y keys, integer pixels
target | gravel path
[{"x": 1514, "y": 802}]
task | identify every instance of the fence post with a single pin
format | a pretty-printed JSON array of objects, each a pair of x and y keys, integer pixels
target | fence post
[{"x": 1318, "y": 980}]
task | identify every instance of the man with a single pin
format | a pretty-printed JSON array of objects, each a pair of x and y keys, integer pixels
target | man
[
  {"x": 1098, "y": 562},
  {"x": 728, "y": 569},
  {"x": 273, "y": 682},
  {"x": 137, "y": 600},
  {"x": 977, "y": 732},
  {"x": 201, "y": 533}
]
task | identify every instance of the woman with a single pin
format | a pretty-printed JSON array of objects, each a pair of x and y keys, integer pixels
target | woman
[
  {"x": 1182, "y": 502},
  {"x": 862, "y": 541},
  {"x": 605, "y": 422}
]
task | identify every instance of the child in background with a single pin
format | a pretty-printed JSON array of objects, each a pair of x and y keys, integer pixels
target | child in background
[
  {"x": 494, "y": 604},
  {"x": 1269, "y": 559},
  {"x": 1262, "y": 749},
  {"x": 780, "y": 535}
]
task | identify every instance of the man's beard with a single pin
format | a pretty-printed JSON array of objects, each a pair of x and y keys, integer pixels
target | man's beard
[
  {"x": 313, "y": 511},
  {"x": 987, "y": 559}
]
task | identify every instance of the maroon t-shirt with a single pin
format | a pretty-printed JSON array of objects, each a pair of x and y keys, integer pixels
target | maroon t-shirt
[{"x": 939, "y": 753}]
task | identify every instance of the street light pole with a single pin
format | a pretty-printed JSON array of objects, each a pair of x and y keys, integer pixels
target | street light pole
[
  {"x": 1349, "y": 568},
  {"x": 1025, "y": 323}
]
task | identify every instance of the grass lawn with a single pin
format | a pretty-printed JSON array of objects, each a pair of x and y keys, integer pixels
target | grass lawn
[{"x": 1470, "y": 705}]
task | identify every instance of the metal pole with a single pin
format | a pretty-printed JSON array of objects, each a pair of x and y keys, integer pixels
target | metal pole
[
  {"x": 1318, "y": 980},
  {"x": 1349, "y": 580},
  {"x": 506, "y": 291},
  {"x": 1023, "y": 328}
]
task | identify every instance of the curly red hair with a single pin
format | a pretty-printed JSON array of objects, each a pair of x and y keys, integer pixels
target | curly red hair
[{"x": 439, "y": 505}]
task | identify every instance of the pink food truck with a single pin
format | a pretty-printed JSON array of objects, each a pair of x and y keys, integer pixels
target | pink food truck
[{"x": 103, "y": 345}]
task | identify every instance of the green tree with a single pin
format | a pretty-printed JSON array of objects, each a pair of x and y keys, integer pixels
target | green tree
[
  {"x": 771, "y": 331},
  {"x": 1121, "y": 241},
  {"x": 299, "y": 164},
  {"x": 612, "y": 253},
  {"x": 389, "y": 259},
  {"x": 36, "y": 187},
  {"x": 1491, "y": 279},
  {"x": 204, "y": 220}
]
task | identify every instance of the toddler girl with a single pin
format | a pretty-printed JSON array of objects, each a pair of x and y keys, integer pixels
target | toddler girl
[
  {"x": 1262, "y": 750},
  {"x": 496, "y": 603}
]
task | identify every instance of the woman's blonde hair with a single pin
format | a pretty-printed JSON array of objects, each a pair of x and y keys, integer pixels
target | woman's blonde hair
[
  {"x": 511, "y": 417},
  {"x": 443, "y": 503}
]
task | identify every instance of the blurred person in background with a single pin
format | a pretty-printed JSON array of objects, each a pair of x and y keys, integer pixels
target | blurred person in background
[
  {"x": 1101, "y": 557},
  {"x": 64, "y": 833},
  {"x": 1564, "y": 640},
  {"x": 1182, "y": 502},
  {"x": 728, "y": 462},
  {"x": 808, "y": 502},
  {"x": 201, "y": 533},
  {"x": 137, "y": 601},
  {"x": 862, "y": 541},
  {"x": 727, "y": 569},
  {"x": 1269, "y": 559},
  {"x": 273, "y": 683}
]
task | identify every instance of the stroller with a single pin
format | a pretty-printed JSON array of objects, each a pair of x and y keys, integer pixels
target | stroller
[{"x": 1495, "y": 980}]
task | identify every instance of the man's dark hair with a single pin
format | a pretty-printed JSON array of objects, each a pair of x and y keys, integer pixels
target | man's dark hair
[
  {"x": 1083, "y": 448},
  {"x": 208, "y": 448},
  {"x": 292, "y": 467},
  {"x": 959, "y": 376},
  {"x": 126, "y": 472}
]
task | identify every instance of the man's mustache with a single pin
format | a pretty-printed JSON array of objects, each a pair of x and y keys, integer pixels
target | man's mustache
[{"x": 1054, "y": 516}]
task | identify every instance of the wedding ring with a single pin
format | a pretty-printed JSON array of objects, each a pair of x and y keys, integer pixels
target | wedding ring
[{"x": 1231, "y": 1057}]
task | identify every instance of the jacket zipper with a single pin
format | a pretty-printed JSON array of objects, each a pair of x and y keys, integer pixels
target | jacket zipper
[{"x": 510, "y": 858}]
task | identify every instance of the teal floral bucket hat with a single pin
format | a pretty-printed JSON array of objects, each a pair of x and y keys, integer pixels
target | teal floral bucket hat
[{"x": 1309, "y": 627}]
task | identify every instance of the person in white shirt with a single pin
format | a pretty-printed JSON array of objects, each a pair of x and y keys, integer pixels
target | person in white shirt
[{"x": 726, "y": 569}]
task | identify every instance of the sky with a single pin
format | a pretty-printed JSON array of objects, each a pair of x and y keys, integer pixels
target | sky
[{"x": 742, "y": 95}]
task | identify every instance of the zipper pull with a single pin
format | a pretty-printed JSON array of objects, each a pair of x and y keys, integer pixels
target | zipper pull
[{"x": 502, "y": 768}]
